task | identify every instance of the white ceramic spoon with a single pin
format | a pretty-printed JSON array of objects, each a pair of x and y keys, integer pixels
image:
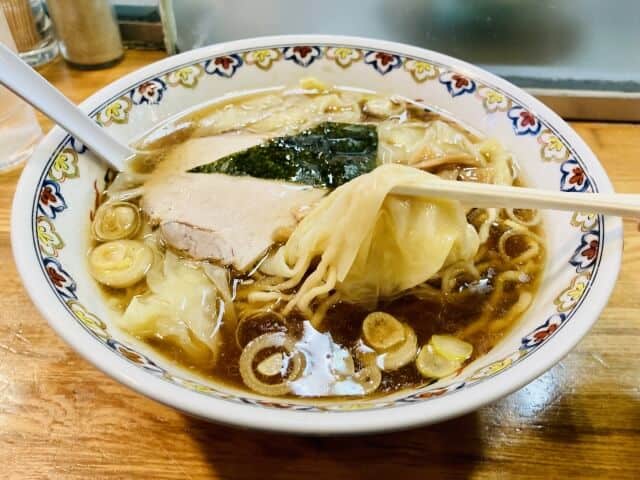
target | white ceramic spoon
[{"x": 25, "y": 82}]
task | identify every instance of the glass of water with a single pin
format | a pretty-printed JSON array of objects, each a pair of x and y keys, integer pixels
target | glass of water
[
  {"x": 32, "y": 30},
  {"x": 19, "y": 128}
]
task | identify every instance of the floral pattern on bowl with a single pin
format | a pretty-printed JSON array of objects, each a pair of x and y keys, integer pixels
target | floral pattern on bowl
[{"x": 52, "y": 233}]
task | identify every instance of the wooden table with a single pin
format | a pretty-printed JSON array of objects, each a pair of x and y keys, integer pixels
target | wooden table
[{"x": 61, "y": 418}]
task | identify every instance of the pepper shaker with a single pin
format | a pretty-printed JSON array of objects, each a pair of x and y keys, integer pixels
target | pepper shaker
[{"x": 88, "y": 32}]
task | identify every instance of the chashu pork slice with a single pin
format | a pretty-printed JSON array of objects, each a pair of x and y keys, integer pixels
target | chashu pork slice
[
  {"x": 201, "y": 150},
  {"x": 227, "y": 218}
]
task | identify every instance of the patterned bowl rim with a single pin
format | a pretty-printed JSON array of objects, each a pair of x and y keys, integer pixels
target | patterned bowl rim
[{"x": 309, "y": 422}]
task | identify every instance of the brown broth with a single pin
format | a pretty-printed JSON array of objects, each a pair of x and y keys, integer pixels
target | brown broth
[
  {"x": 442, "y": 314},
  {"x": 426, "y": 317},
  {"x": 344, "y": 322}
]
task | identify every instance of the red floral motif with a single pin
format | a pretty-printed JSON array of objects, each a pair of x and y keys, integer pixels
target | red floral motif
[
  {"x": 225, "y": 62},
  {"x": 147, "y": 88},
  {"x": 382, "y": 62},
  {"x": 149, "y": 92},
  {"x": 302, "y": 51},
  {"x": 574, "y": 178},
  {"x": 527, "y": 118},
  {"x": 47, "y": 196},
  {"x": 384, "y": 58},
  {"x": 577, "y": 176},
  {"x": 433, "y": 393},
  {"x": 592, "y": 251},
  {"x": 224, "y": 66},
  {"x": 457, "y": 84},
  {"x": 542, "y": 334},
  {"x": 57, "y": 279},
  {"x": 459, "y": 80}
]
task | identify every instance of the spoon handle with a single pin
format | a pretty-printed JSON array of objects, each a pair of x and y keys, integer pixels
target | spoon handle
[
  {"x": 25, "y": 82},
  {"x": 500, "y": 196}
]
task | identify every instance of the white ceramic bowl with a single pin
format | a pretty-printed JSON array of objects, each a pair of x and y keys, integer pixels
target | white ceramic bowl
[{"x": 58, "y": 188}]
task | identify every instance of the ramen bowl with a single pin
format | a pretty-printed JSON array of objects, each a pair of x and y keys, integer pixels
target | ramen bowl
[{"x": 60, "y": 186}]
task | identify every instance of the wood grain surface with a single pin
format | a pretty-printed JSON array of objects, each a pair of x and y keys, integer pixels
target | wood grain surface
[{"x": 61, "y": 418}]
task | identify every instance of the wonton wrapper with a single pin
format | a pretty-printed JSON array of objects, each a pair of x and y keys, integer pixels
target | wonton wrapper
[
  {"x": 411, "y": 143},
  {"x": 180, "y": 308},
  {"x": 372, "y": 244}
]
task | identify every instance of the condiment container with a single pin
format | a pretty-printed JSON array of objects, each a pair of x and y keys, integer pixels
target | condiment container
[{"x": 88, "y": 32}]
